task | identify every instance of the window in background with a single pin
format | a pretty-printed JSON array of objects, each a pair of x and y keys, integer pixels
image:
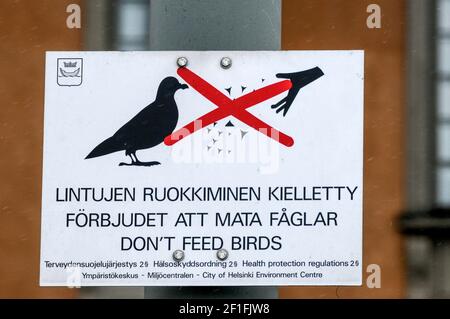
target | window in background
[
  {"x": 131, "y": 30},
  {"x": 443, "y": 103}
]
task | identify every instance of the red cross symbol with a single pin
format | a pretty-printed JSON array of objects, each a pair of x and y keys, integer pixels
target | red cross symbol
[{"x": 227, "y": 107}]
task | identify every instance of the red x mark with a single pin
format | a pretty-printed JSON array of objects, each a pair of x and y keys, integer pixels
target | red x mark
[{"x": 228, "y": 107}]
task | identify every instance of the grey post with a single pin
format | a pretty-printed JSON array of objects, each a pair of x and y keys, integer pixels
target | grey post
[{"x": 214, "y": 25}]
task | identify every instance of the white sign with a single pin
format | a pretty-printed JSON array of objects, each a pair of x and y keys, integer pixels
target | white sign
[{"x": 156, "y": 174}]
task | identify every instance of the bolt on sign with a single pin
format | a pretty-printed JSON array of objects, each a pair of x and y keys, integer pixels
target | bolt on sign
[{"x": 202, "y": 168}]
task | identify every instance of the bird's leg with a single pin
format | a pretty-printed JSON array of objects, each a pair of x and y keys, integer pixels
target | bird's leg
[
  {"x": 139, "y": 163},
  {"x": 128, "y": 164},
  {"x": 136, "y": 162}
]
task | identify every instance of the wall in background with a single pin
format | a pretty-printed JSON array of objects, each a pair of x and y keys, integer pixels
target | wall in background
[
  {"x": 341, "y": 25},
  {"x": 28, "y": 28}
]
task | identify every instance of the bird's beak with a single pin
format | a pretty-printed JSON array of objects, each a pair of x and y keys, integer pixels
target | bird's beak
[{"x": 183, "y": 86}]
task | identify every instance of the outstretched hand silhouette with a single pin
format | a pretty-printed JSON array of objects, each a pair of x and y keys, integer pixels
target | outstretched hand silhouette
[{"x": 299, "y": 80}]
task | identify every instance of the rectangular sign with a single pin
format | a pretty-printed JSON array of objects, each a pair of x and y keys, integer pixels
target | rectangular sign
[{"x": 202, "y": 168}]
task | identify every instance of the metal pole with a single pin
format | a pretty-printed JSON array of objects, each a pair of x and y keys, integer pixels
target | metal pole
[{"x": 214, "y": 25}]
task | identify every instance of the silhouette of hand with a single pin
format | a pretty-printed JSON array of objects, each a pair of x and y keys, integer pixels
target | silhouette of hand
[
  {"x": 298, "y": 80},
  {"x": 285, "y": 103}
]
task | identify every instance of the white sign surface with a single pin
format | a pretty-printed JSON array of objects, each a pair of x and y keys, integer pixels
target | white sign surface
[{"x": 250, "y": 175}]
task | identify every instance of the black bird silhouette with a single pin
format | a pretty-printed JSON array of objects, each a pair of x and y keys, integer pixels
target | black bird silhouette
[
  {"x": 299, "y": 80},
  {"x": 148, "y": 128}
]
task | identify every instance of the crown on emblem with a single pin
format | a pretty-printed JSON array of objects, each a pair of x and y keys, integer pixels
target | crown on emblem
[{"x": 70, "y": 64}]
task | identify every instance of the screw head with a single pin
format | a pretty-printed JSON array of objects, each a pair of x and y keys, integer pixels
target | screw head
[
  {"x": 182, "y": 61},
  {"x": 226, "y": 62},
  {"x": 178, "y": 255},
  {"x": 222, "y": 254}
]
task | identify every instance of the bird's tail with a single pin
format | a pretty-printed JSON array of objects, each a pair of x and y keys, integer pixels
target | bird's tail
[{"x": 108, "y": 146}]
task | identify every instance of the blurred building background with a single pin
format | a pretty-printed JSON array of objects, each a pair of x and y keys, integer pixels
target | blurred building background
[{"x": 407, "y": 129}]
